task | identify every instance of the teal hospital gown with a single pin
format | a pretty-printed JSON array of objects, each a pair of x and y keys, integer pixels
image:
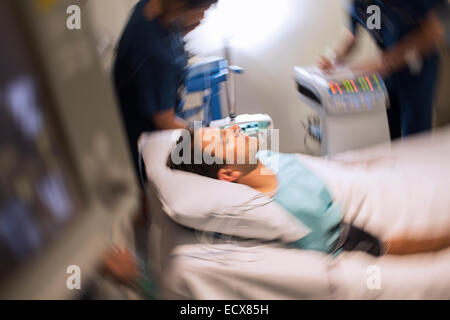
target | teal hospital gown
[{"x": 306, "y": 197}]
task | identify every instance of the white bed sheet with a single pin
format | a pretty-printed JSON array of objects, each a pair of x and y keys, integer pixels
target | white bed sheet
[{"x": 407, "y": 190}]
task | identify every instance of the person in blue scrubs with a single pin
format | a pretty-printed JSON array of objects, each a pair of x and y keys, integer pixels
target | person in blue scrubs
[
  {"x": 408, "y": 35},
  {"x": 149, "y": 76},
  {"x": 149, "y": 70}
]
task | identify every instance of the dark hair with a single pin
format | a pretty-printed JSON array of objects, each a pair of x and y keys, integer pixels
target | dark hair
[
  {"x": 203, "y": 169},
  {"x": 199, "y": 3},
  {"x": 191, "y": 4}
]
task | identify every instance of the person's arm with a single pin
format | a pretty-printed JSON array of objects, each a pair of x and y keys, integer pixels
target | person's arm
[
  {"x": 348, "y": 43},
  {"x": 416, "y": 45},
  {"x": 407, "y": 245},
  {"x": 422, "y": 42},
  {"x": 156, "y": 90},
  {"x": 167, "y": 120},
  {"x": 345, "y": 47}
]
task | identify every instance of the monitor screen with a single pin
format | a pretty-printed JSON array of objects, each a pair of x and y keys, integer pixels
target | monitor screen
[{"x": 38, "y": 195}]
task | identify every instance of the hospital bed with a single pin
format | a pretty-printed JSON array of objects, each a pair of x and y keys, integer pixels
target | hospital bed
[{"x": 398, "y": 188}]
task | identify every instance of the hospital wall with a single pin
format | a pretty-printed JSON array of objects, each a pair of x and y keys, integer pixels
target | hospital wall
[
  {"x": 267, "y": 38},
  {"x": 107, "y": 18}
]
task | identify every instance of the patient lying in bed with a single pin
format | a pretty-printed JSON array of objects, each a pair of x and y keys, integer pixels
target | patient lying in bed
[{"x": 231, "y": 156}]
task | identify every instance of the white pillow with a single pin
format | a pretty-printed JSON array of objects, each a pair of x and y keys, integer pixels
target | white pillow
[{"x": 211, "y": 205}]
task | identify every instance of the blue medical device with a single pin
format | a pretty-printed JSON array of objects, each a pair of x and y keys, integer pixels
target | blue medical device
[{"x": 206, "y": 76}]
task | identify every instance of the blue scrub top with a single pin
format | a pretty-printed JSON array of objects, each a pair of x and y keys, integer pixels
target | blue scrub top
[
  {"x": 398, "y": 18},
  {"x": 307, "y": 198},
  {"x": 411, "y": 93},
  {"x": 149, "y": 73}
]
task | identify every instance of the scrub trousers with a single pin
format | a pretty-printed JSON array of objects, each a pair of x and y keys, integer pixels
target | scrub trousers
[{"x": 411, "y": 99}]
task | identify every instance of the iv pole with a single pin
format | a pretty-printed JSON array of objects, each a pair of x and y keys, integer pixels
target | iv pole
[{"x": 230, "y": 86}]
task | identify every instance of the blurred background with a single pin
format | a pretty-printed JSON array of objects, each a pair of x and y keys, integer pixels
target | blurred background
[
  {"x": 68, "y": 189},
  {"x": 267, "y": 39}
]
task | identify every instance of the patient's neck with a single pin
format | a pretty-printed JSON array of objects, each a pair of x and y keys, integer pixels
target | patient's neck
[{"x": 261, "y": 179}]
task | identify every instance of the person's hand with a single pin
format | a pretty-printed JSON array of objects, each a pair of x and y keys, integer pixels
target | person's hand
[
  {"x": 325, "y": 64},
  {"x": 121, "y": 265}
]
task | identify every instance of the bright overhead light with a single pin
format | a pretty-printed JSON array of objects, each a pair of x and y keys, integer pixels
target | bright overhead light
[{"x": 244, "y": 23}]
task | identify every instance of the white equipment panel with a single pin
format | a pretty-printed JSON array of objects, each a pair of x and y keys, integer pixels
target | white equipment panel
[{"x": 352, "y": 108}]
